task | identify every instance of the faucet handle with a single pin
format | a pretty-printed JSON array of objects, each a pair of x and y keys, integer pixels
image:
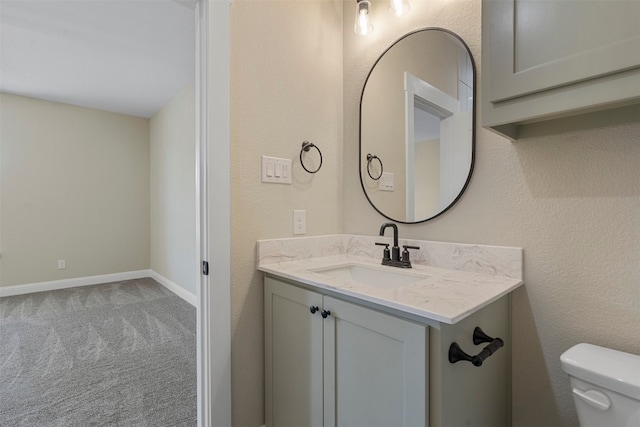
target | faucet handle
[
  {"x": 405, "y": 254},
  {"x": 386, "y": 255}
]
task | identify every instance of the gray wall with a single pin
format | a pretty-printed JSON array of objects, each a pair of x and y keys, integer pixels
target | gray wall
[
  {"x": 172, "y": 192},
  {"x": 106, "y": 192},
  {"x": 75, "y": 186}
]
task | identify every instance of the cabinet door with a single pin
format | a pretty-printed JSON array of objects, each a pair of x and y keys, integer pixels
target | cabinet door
[
  {"x": 293, "y": 356},
  {"x": 375, "y": 368},
  {"x": 537, "y": 45},
  {"x": 557, "y": 66}
]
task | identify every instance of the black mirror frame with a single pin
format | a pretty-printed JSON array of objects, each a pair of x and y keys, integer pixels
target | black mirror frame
[{"x": 473, "y": 125}]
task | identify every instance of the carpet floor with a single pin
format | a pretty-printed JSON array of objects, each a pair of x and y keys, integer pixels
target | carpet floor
[{"x": 116, "y": 354}]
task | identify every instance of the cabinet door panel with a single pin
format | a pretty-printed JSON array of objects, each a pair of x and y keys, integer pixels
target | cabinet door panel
[
  {"x": 538, "y": 45},
  {"x": 375, "y": 368},
  {"x": 293, "y": 356}
]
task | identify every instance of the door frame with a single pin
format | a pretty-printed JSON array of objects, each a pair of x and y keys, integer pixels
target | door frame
[
  {"x": 213, "y": 171},
  {"x": 441, "y": 105}
]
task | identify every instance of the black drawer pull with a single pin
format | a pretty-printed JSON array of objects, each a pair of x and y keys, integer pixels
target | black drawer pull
[
  {"x": 313, "y": 309},
  {"x": 325, "y": 313}
]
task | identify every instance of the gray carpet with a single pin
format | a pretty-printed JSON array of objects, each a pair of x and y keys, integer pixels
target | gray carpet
[{"x": 117, "y": 354}]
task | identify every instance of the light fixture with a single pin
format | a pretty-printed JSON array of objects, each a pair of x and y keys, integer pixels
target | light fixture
[
  {"x": 399, "y": 7},
  {"x": 363, "y": 25}
]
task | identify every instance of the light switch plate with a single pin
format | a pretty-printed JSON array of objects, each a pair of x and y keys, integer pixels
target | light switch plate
[
  {"x": 386, "y": 182},
  {"x": 276, "y": 170}
]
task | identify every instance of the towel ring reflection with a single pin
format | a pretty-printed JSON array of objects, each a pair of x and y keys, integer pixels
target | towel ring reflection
[
  {"x": 370, "y": 158},
  {"x": 306, "y": 146}
]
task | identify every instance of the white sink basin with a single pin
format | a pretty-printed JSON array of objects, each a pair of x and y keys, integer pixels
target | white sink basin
[{"x": 377, "y": 276}]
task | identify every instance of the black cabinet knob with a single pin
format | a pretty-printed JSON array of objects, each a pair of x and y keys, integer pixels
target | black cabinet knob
[
  {"x": 313, "y": 309},
  {"x": 325, "y": 313}
]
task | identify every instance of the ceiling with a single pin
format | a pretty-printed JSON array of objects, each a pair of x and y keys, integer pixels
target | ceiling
[{"x": 124, "y": 56}]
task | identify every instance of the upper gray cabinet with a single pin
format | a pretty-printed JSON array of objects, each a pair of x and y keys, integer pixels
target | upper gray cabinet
[{"x": 561, "y": 65}]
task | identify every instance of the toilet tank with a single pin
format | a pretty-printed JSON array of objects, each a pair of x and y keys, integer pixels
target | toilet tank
[{"x": 605, "y": 384}]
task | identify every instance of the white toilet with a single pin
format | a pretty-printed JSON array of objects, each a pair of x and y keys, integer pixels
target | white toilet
[{"x": 605, "y": 385}]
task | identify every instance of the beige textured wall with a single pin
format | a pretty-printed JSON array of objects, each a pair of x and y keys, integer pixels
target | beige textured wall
[
  {"x": 172, "y": 190},
  {"x": 571, "y": 201},
  {"x": 286, "y": 87},
  {"x": 75, "y": 186}
]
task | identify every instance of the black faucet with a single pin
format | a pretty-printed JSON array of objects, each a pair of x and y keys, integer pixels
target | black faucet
[
  {"x": 393, "y": 258},
  {"x": 395, "y": 250}
]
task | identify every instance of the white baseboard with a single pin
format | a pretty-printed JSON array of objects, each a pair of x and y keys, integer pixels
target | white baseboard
[
  {"x": 174, "y": 287},
  {"x": 54, "y": 285},
  {"x": 30, "y": 288}
]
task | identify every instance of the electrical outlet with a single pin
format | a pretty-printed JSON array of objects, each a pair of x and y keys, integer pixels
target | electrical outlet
[
  {"x": 299, "y": 222},
  {"x": 62, "y": 264}
]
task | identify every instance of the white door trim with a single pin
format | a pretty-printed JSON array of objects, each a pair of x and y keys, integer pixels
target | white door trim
[
  {"x": 439, "y": 104},
  {"x": 213, "y": 169}
]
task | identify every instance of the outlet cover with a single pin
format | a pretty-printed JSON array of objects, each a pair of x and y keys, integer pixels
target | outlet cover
[
  {"x": 299, "y": 222},
  {"x": 62, "y": 264}
]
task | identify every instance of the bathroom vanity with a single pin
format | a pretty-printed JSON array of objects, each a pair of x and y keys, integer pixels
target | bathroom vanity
[{"x": 351, "y": 342}]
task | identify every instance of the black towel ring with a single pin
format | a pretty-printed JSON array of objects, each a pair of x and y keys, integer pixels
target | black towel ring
[
  {"x": 306, "y": 146},
  {"x": 370, "y": 158}
]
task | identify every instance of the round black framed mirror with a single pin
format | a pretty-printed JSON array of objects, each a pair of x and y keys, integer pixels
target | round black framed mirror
[{"x": 417, "y": 126}]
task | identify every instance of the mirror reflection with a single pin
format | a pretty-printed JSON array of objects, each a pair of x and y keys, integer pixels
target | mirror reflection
[{"x": 417, "y": 124}]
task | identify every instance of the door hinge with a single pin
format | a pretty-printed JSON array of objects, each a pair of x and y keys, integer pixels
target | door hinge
[{"x": 205, "y": 268}]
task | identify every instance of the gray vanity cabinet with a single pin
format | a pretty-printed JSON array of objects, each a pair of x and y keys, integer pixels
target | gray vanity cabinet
[
  {"x": 556, "y": 66},
  {"x": 355, "y": 366},
  {"x": 362, "y": 366}
]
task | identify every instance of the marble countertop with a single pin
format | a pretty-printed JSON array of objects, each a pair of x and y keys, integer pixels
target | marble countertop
[{"x": 444, "y": 295}]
